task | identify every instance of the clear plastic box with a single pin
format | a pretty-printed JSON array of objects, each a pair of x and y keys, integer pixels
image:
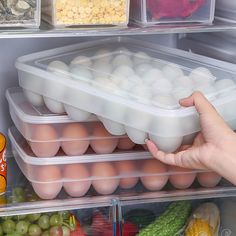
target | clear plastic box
[
  {"x": 46, "y": 132},
  {"x": 132, "y": 86},
  {"x": 104, "y": 172},
  {"x": 64, "y": 13},
  {"x": 25, "y": 14},
  {"x": 226, "y": 9},
  {"x": 149, "y": 12}
]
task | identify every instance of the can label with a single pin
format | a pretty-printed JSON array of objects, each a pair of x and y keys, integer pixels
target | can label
[{"x": 3, "y": 164}]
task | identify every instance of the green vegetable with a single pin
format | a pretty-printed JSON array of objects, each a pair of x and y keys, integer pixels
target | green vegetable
[
  {"x": 8, "y": 226},
  {"x": 170, "y": 222},
  {"x": 140, "y": 217}
]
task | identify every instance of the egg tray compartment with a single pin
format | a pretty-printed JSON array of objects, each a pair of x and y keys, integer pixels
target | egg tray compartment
[
  {"x": 77, "y": 175},
  {"x": 67, "y": 13},
  {"x": 20, "y": 14},
  {"x": 141, "y": 106},
  {"x": 149, "y": 12},
  {"x": 46, "y": 137}
]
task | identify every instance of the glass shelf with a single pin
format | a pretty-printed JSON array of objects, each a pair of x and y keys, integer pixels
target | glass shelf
[{"x": 47, "y": 31}]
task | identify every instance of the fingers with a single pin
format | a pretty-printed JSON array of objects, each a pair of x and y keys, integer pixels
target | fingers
[{"x": 201, "y": 104}]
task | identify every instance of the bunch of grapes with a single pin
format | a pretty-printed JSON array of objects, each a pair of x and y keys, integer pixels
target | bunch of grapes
[{"x": 46, "y": 224}]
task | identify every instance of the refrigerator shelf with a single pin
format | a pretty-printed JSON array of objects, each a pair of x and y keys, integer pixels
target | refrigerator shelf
[{"x": 46, "y": 31}]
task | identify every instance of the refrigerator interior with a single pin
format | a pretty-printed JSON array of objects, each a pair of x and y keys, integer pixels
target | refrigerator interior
[{"x": 109, "y": 211}]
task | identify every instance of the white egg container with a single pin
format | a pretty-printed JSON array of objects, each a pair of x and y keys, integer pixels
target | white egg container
[
  {"x": 149, "y": 12},
  {"x": 106, "y": 173},
  {"x": 67, "y": 13},
  {"x": 46, "y": 132},
  {"x": 18, "y": 22},
  {"x": 226, "y": 9},
  {"x": 132, "y": 86}
]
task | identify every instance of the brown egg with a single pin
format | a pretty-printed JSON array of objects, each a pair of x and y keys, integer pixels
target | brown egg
[
  {"x": 44, "y": 141},
  {"x": 126, "y": 168},
  {"x": 76, "y": 172},
  {"x": 125, "y": 144},
  {"x": 208, "y": 179},
  {"x": 181, "y": 181},
  {"x": 79, "y": 134},
  {"x": 47, "y": 181},
  {"x": 104, "y": 181},
  {"x": 158, "y": 175},
  {"x": 103, "y": 142}
]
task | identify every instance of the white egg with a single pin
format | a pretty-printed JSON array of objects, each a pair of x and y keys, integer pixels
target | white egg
[
  {"x": 166, "y": 144},
  {"x": 123, "y": 50},
  {"x": 141, "y": 94},
  {"x": 141, "y": 69},
  {"x": 103, "y": 55},
  {"x": 183, "y": 81},
  {"x": 172, "y": 71},
  {"x": 165, "y": 101},
  {"x": 223, "y": 86},
  {"x": 34, "y": 98},
  {"x": 209, "y": 91},
  {"x": 201, "y": 76},
  {"x": 121, "y": 73},
  {"x": 54, "y": 106},
  {"x": 141, "y": 57},
  {"x": 152, "y": 76},
  {"x": 161, "y": 86},
  {"x": 81, "y": 73},
  {"x": 181, "y": 92},
  {"x": 58, "y": 67},
  {"x": 130, "y": 82},
  {"x": 113, "y": 127},
  {"x": 120, "y": 60},
  {"x": 101, "y": 69},
  {"x": 77, "y": 114},
  {"x": 81, "y": 60},
  {"x": 137, "y": 136},
  {"x": 157, "y": 64}
]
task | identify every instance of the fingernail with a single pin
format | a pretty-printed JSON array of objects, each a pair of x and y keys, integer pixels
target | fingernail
[{"x": 146, "y": 140}]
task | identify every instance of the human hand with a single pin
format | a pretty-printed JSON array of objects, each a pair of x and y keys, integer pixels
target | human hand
[{"x": 214, "y": 148}]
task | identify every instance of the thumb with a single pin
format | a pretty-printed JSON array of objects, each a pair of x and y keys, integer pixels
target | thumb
[{"x": 201, "y": 104}]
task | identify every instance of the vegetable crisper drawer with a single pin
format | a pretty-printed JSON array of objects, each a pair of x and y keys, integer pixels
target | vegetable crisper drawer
[
  {"x": 132, "y": 86},
  {"x": 149, "y": 12}
]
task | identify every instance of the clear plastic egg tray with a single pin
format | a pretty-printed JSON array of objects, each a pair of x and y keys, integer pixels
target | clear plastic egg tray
[
  {"x": 48, "y": 133},
  {"x": 65, "y": 13},
  {"x": 149, "y": 12},
  {"x": 132, "y": 86},
  {"x": 105, "y": 173}
]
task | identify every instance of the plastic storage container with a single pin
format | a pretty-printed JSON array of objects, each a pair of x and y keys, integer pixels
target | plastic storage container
[
  {"x": 148, "y": 12},
  {"x": 226, "y": 9},
  {"x": 46, "y": 132},
  {"x": 132, "y": 86},
  {"x": 23, "y": 13},
  {"x": 199, "y": 44},
  {"x": 104, "y": 172},
  {"x": 169, "y": 216},
  {"x": 62, "y": 13}
]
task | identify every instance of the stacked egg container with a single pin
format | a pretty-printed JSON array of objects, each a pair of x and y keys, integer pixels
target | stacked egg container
[
  {"x": 149, "y": 12},
  {"x": 64, "y": 13},
  {"x": 105, "y": 173},
  {"x": 226, "y": 9},
  {"x": 133, "y": 87},
  {"x": 21, "y": 13}
]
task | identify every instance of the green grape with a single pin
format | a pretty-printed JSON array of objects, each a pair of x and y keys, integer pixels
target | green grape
[
  {"x": 18, "y": 191},
  {"x": 65, "y": 215},
  {"x": 8, "y": 226},
  {"x": 19, "y": 217},
  {"x": 18, "y": 199},
  {"x": 34, "y": 230},
  {"x": 45, "y": 233},
  {"x": 14, "y": 234},
  {"x": 33, "y": 217},
  {"x": 22, "y": 227},
  {"x": 66, "y": 231},
  {"x": 1, "y": 231},
  {"x": 6, "y": 217},
  {"x": 56, "y": 220},
  {"x": 43, "y": 222}
]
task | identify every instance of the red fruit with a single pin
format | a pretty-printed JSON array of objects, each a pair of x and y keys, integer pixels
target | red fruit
[
  {"x": 172, "y": 8},
  {"x": 128, "y": 229},
  {"x": 99, "y": 224}
]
